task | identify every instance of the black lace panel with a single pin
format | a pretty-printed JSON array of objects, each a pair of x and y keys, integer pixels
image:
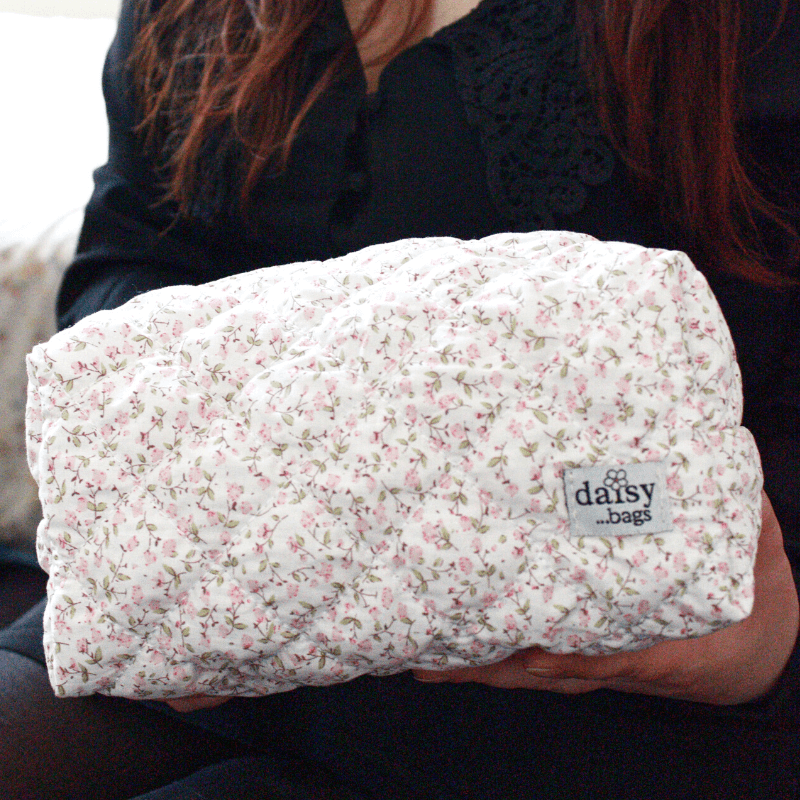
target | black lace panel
[{"x": 518, "y": 70}]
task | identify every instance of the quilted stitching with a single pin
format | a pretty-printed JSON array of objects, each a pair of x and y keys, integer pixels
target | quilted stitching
[{"x": 311, "y": 472}]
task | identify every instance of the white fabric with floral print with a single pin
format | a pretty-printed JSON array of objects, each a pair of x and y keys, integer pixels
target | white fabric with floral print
[{"x": 307, "y": 473}]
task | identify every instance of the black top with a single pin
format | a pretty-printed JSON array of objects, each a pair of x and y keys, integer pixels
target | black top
[{"x": 485, "y": 127}]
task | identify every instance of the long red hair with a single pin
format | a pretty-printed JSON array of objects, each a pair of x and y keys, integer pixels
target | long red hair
[{"x": 664, "y": 74}]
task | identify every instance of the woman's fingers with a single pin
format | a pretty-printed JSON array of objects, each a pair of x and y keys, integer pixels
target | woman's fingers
[{"x": 195, "y": 702}]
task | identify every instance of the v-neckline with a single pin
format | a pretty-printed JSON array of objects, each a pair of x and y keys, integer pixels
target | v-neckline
[{"x": 373, "y": 91}]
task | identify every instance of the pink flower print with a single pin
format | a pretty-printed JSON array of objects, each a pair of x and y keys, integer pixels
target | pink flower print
[
  {"x": 169, "y": 548},
  {"x": 387, "y": 597},
  {"x": 307, "y": 520},
  {"x": 515, "y": 429},
  {"x": 411, "y": 479},
  {"x": 415, "y": 554},
  {"x": 746, "y": 479},
  {"x": 660, "y": 572},
  {"x": 457, "y": 431},
  {"x": 709, "y": 487},
  {"x": 465, "y": 522},
  {"x": 496, "y": 379},
  {"x": 547, "y": 593},
  {"x": 156, "y": 455},
  {"x": 465, "y": 565},
  {"x": 607, "y": 420},
  {"x": 446, "y": 401},
  {"x": 429, "y": 532},
  {"x": 236, "y": 594},
  {"x": 473, "y": 352},
  {"x": 149, "y": 558},
  {"x": 674, "y": 484},
  {"x": 639, "y": 558},
  {"x": 292, "y": 590},
  {"x": 643, "y": 607},
  {"x": 402, "y": 611},
  {"x": 332, "y": 481},
  {"x": 131, "y": 544},
  {"x": 181, "y": 420}
]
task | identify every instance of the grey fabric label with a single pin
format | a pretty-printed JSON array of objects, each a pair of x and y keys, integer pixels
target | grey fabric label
[{"x": 618, "y": 500}]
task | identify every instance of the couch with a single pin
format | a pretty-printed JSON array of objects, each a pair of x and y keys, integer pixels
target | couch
[{"x": 55, "y": 135}]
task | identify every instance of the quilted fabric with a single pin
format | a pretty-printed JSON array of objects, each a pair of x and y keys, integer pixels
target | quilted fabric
[{"x": 311, "y": 472}]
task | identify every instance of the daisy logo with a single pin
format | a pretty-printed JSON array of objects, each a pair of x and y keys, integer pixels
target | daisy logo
[{"x": 616, "y": 479}]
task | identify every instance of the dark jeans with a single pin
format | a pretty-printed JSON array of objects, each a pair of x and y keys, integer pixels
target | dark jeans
[{"x": 395, "y": 738}]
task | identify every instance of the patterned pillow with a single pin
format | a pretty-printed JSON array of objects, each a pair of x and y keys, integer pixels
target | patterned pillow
[{"x": 431, "y": 452}]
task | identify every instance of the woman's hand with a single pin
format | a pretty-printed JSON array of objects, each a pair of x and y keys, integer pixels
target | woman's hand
[{"x": 734, "y": 665}]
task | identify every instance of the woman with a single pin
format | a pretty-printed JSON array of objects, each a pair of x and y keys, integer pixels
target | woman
[{"x": 248, "y": 134}]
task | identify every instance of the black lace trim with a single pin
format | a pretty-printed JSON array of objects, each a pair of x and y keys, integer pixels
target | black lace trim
[{"x": 519, "y": 74}]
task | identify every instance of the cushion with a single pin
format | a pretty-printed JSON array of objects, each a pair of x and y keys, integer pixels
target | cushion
[{"x": 427, "y": 453}]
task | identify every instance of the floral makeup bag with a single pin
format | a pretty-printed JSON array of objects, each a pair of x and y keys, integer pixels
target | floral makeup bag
[{"x": 427, "y": 453}]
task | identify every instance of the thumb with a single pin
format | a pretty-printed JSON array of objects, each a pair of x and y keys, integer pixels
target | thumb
[{"x": 541, "y": 664}]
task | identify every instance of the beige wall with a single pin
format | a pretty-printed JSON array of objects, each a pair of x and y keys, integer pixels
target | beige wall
[{"x": 63, "y": 8}]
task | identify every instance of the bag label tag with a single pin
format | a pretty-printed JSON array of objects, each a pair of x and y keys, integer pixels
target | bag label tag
[{"x": 618, "y": 500}]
